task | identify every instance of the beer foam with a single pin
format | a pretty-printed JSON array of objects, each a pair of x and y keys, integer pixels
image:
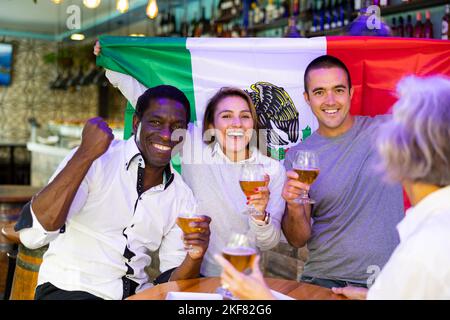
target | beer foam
[{"x": 239, "y": 251}]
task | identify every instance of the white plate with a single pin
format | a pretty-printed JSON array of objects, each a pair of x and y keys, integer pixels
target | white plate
[{"x": 192, "y": 296}]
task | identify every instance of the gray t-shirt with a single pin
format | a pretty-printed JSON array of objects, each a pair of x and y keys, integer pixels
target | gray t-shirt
[{"x": 356, "y": 211}]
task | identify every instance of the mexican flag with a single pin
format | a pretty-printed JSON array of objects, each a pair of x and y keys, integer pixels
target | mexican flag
[{"x": 271, "y": 70}]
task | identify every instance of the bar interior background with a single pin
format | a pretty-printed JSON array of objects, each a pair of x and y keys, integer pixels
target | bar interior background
[{"x": 52, "y": 86}]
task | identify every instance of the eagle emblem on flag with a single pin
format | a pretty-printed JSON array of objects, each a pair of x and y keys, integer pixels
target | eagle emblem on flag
[{"x": 276, "y": 112}]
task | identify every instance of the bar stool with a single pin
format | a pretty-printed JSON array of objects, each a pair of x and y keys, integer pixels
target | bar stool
[
  {"x": 8, "y": 232},
  {"x": 23, "y": 268},
  {"x": 12, "y": 199}
]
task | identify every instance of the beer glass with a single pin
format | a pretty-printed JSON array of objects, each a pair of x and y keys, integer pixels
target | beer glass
[
  {"x": 189, "y": 214},
  {"x": 306, "y": 165},
  {"x": 240, "y": 251},
  {"x": 251, "y": 177}
]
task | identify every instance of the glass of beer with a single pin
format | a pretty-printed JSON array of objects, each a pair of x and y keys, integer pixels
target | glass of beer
[
  {"x": 306, "y": 165},
  {"x": 240, "y": 251},
  {"x": 184, "y": 219},
  {"x": 251, "y": 177}
]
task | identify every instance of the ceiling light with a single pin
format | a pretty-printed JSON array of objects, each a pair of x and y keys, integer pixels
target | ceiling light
[
  {"x": 77, "y": 36},
  {"x": 91, "y": 4},
  {"x": 122, "y": 6},
  {"x": 56, "y": 1},
  {"x": 152, "y": 9}
]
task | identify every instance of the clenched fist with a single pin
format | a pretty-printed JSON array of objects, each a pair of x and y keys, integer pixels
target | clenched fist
[
  {"x": 97, "y": 48},
  {"x": 95, "y": 139}
]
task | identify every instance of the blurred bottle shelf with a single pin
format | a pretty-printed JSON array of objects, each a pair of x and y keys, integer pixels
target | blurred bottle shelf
[{"x": 411, "y": 6}]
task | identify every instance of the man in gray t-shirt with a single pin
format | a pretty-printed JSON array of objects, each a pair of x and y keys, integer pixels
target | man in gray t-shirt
[{"x": 351, "y": 229}]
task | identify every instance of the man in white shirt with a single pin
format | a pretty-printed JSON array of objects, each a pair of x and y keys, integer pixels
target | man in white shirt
[{"x": 111, "y": 203}]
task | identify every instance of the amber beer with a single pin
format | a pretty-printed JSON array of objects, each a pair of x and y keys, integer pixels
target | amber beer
[
  {"x": 241, "y": 258},
  {"x": 249, "y": 186},
  {"x": 183, "y": 223},
  {"x": 307, "y": 176}
]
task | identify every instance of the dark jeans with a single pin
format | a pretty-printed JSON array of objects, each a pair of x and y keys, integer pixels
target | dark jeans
[
  {"x": 330, "y": 283},
  {"x": 47, "y": 291}
]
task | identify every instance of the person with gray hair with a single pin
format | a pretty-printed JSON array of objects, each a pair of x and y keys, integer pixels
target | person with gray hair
[{"x": 415, "y": 150}]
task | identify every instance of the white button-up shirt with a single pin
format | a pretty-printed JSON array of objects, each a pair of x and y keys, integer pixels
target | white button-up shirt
[
  {"x": 419, "y": 268},
  {"x": 111, "y": 229}
]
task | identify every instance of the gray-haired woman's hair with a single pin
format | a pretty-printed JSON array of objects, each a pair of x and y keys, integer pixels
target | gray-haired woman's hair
[{"x": 415, "y": 144}]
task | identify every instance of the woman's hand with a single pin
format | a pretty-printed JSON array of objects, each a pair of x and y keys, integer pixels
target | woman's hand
[
  {"x": 260, "y": 199},
  {"x": 247, "y": 287}
]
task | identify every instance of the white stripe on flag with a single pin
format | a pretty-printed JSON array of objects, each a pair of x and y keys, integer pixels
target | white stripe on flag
[{"x": 242, "y": 62}]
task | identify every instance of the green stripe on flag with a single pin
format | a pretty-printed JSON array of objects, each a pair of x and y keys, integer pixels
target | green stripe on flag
[{"x": 151, "y": 61}]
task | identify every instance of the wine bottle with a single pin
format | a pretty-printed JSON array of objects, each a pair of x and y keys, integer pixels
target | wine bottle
[
  {"x": 394, "y": 28},
  {"x": 428, "y": 26},
  {"x": 418, "y": 27},
  {"x": 445, "y": 20},
  {"x": 296, "y": 7},
  {"x": 292, "y": 30},
  {"x": 401, "y": 27},
  {"x": 409, "y": 29}
]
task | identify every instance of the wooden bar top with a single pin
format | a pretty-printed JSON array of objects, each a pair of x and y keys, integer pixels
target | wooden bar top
[
  {"x": 294, "y": 289},
  {"x": 17, "y": 193}
]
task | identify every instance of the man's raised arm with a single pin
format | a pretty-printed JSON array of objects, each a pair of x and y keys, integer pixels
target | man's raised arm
[{"x": 52, "y": 204}]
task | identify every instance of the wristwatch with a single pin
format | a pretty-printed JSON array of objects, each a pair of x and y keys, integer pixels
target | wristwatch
[{"x": 265, "y": 221}]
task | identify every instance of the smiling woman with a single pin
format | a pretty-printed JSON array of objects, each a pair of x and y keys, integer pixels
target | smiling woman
[
  {"x": 230, "y": 116},
  {"x": 231, "y": 121}
]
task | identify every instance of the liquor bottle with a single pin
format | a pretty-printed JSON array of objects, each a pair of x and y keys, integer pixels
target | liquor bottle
[
  {"x": 394, "y": 28},
  {"x": 321, "y": 15},
  {"x": 303, "y": 6},
  {"x": 281, "y": 9},
  {"x": 327, "y": 14},
  {"x": 349, "y": 13},
  {"x": 296, "y": 7},
  {"x": 409, "y": 29},
  {"x": 445, "y": 20},
  {"x": 270, "y": 12},
  {"x": 384, "y": 3},
  {"x": 334, "y": 15},
  {"x": 226, "y": 8},
  {"x": 428, "y": 26},
  {"x": 257, "y": 14},
  {"x": 205, "y": 23},
  {"x": 251, "y": 15},
  {"x": 401, "y": 27},
  {"x": 193, "y": 26},
  {"x": 292, "y": 30},
  {"x": 418, "y": 27},
  {"x": 357, "y": 5},
  {"x": 286, "y": 11}
]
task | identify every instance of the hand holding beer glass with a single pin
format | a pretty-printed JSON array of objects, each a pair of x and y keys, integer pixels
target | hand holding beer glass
[
  {"x": 252, "y": 176},
  {"x": 306, "y": 165},
  {"x": 187, "y": 220},
  {"x": 240, "y": 251}
]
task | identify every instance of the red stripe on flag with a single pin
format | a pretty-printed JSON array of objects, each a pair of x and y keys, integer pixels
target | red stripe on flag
[{"x": 376, "y": 64}]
